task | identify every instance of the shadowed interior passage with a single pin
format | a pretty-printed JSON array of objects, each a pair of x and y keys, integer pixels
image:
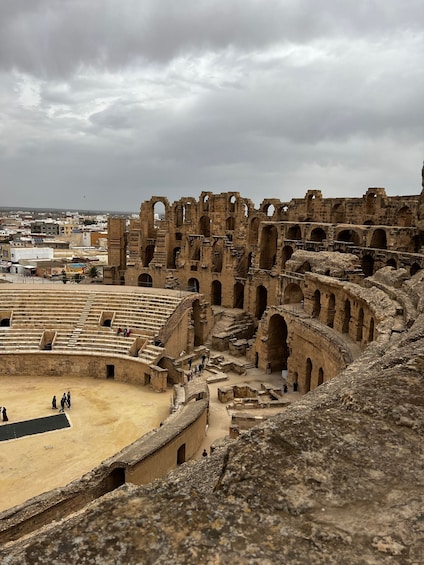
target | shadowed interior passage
[{"x": 35, "y": 426}]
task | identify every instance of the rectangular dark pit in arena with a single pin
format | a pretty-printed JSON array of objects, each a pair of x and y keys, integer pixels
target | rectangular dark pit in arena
[{"x": 32, "y": 427}]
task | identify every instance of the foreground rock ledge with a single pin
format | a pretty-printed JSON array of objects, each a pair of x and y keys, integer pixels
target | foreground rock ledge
[{"x": 336, "y": 478}]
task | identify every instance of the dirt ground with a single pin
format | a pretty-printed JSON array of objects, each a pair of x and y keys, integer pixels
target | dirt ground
[{"x": 105, "y": 416}]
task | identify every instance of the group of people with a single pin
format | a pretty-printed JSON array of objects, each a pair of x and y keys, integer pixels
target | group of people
[
  {"x": 126, "y": 332},
  {"x": 197, "y": 369},
  {"x": 65, "y": 401},
  {"x": 3, "y": 412}
]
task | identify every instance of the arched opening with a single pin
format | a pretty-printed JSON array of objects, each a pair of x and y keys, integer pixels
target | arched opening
[
  {"x": 249, "y": 261},
  {"x": 205, "y": 226},
  {"x": 294, "y": 232},
  {"x": 268, "y": 247},
  {"x": 193, "y": 285},
  {"x": 179, "y": 215},
  {"x": 261, "y": 300},
  {"x": 181, "y": 454},
  {"x": 360, "y": 325},
  {"x": 269, "y": 210},
  {"x": 175, "y": 254},
  {"x": 287, "y": 252},
  {"x": 254, "y": 231},
  {"x": 216, "y": 293},
  {"x": 379, "y": 239},
  {"x": 232, "y": 203},
  {"x": 318, "y": 234},
  {"x": 217, "y": 254},
  {"x": 320, "y": 376},
  {"x": 367, "y": 264},
  {"x": 414, "y": 269},
  {"x": 5, "y": 323},
  {"x": 238, "y": 294},
  {"x": 206, "y": 203},
  {"x": 197, "y": 326},
  {"x": 158, "y": 213},
  {"x": 346, "y": 317},
  {"x": 122, "y": 280},
  {"x": 404, "y": 217},
  {"x": 349, "y": 236},
  {"x": 293, "y": 294},
  {"x": 391, "y": 263},
  {"x": 148, "y": 256},
  {"x": 331, "y": 312},
  {"x": 316, "y": 305},
  {"x": 308, "y": 375},
  {"x": 337, "y": 215},
  {"x": 371, "y": 200},
  {"x": 145, "y": 280},
  {"x": 278, "y": 351},
  {"x": 230, "y": 224},
  {"x": 371, "y": 331}
]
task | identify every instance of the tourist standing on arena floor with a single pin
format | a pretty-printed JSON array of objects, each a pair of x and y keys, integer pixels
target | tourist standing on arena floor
[
  {"x": 68, "y": 399},
  {"x": 54, "y": 402},
  {"x": 62, "y": 403},
  {"x": 5, "y": 418}
]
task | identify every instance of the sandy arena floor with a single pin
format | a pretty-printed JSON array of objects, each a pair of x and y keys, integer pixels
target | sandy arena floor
[{"x": 105, "y": 416}]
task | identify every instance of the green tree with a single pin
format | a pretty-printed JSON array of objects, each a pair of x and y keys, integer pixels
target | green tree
[{"x": 93, "y": 272}]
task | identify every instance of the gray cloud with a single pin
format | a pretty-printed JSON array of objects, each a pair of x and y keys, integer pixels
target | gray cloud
[{"x": 105, "y": 102}]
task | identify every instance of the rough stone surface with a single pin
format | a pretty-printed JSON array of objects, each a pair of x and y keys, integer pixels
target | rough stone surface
[{"x": 336, "y": 478}]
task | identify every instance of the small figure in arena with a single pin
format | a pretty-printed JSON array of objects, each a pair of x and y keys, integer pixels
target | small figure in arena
[
  {"x": 54, "y": 402},
  {"x": 4, "y": 413}
]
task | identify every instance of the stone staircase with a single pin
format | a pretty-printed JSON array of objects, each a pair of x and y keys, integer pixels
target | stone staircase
[
  {"x": 82, "y": 320},
  {"x": 150, "y": 353},
  {"x": 231, "y": 324}
]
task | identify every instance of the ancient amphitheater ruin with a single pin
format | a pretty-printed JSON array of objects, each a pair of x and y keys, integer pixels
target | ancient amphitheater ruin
[{"x": 327, "y": 292}]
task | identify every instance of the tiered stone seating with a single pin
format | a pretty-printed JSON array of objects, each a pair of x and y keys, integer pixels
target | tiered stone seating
[{"x": 85, "y": 319}]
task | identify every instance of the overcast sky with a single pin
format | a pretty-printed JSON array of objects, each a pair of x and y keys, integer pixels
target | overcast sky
[{"x": 104, "y": 103}]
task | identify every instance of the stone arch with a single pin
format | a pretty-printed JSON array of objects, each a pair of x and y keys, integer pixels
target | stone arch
[
  {"x": 269, "y": 210},
  {"x": 293, "y": 294},
  {"x": 308, "y": 375},
  {"x": 217, "y": 256},
  {"x": 379, "y": 239},
  {"x": 230, "y": 223},
  {"x": 391, "y": 263},
  {"x": 159, "y": 211},
  {"x": 193, "y": 285},
  {"x": 404, "y": 217},
  {"x": 254, "y": 231},
  {"x": 316, "y": 304},
  {"x": 205, "y": 226},
  {"x": 318, "y": 234},
  {"x": 349, "y": 236},
  {"x": 268, "y": 255},
  {"x": 294, "y": 232},
  {"x": 367, "y": 264},
  {"x": 232, "y": 203},
  {"x": 278, "y": 350},
  {"x": 346, "y": 317},
  {"x": 360, "y": 325},
  {"x": 145, "y": 280},
  {"x": 370, "y": 203},
  {"x": 175, "y": 253},
  {"x": 331, "y": 311},
  {"x": 261, "y": 300},
  {"x": 205, "y": 202},
  {"x": 179, "y": 215},
  {"x": 371, "y": 330},
  {"x": 238, "y": 295},
  {"x": 148, "y": 255},
  {"x": 337, "y": 215},
  {"x": 320, "y": 376},
  {"x": 216, "y": 293},
  {"x": 415, "y": 267},
  {"x": 286, "y": 253}
]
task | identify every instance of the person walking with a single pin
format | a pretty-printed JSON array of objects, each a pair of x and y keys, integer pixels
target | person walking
[
  {"x": 68, "y": 399},
  {"x": 62, "y": 403},
  {"x": 4, "y": 413},
  {"x": 54, "y": 402}
]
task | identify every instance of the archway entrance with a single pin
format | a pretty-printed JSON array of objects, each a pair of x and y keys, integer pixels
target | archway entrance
[
  {"x": 216, "y": 293},
  {"x": 145, "y": 280},
  {"x": 238, "y": 301},
  {"x": 278, "y": 351},
  {"x": 261, "y": 300}
]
